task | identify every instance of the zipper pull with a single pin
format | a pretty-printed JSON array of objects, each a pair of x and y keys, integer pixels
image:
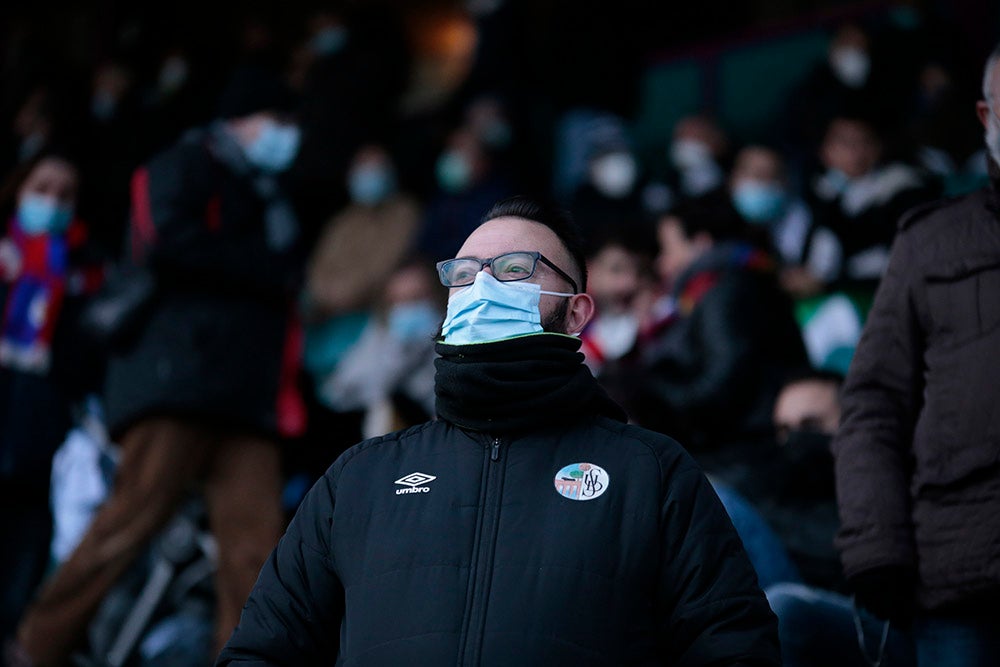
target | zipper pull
[{"x": 495, "y": 454}]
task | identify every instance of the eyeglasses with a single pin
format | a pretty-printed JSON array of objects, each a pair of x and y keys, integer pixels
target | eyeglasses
[{"x": 506, "y": 268}]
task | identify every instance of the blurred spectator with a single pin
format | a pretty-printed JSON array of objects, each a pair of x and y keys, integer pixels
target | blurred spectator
[
  {"x": 203, "y": 390},
  {"x": 46, "y": 116},
  {"x": 389, "y": 371},
  {"x": 842, "y": 82},
  {"x": 619, "y": 280},
  {"x": 362, "y": 246},
  {"x": 468, "y": 184},
  {"x": 762, "y": 194},
  {"x": 697, "y": 155},
  {"x": 860, "y": 198},
  {"x": 351, "y": 72},
  {"x": 916, "y": 456},
  {"x": 795, "y": 493},
  {"x": 716, "y": 366},
  {"x": 611, "y": 195},
  {"x": 48, "y": 269},
  {"x": 358, "y": 252}
]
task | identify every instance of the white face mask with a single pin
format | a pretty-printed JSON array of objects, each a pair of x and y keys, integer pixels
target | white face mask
[
  {"x": 851, "y": 65},
  {"x": 690, "y": 154},
  {"x": 614, "y": 174},
  {"x": 993, "y": 136}
]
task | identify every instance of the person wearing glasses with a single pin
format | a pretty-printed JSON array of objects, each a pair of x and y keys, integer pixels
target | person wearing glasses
[{"x": 529, "y": 524}]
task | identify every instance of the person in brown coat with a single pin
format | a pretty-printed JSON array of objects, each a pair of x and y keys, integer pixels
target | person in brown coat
[{"x": 918, "y": 452}]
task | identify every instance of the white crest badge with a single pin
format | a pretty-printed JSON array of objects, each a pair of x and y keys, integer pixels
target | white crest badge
[{"x": 582, "y": 481}]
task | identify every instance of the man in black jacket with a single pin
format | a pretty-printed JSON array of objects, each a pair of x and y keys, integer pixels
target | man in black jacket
[
  {"x": 529, "y": 525},
  {"x": 917, "y": 456},
  {"x": 715, "y": 367},
  {"x": 201, "y": 391}
]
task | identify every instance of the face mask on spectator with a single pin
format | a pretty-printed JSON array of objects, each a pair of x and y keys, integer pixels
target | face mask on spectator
[
  {"x": 41, "y": 214},
  {"x": 413, "y": 321},
  {"x": 489, "y": 310},
  {"x": 851, "y": 65},
  {"x": 454, "y": 173},
  {"x": 275, "y": 147},
  {"x": 759, "y": 202},
  {"x": 371, "y": 184},
  {"x": 993, "y": 136},
  {"x": 690, "y": 154},
  {"x": 614, "y": 174}
]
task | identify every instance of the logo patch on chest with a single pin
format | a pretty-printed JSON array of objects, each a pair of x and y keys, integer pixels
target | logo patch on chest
[
  {"x": 415, "y": 482},
  {"x": 582, "y": 481}
]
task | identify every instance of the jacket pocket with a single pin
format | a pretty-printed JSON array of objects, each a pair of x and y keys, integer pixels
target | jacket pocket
[{"x": 963, "y": 298}]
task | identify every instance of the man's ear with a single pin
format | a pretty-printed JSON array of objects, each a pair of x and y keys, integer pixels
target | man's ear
[
  {"x": 983, "y": 111},
  {"x": 580, "y": 312}
]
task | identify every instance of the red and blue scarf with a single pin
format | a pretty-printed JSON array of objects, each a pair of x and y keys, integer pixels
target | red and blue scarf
[{"x": 37, "y": 281}]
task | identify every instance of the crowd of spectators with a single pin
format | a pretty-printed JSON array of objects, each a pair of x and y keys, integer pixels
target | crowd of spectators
[{"x": 726, "y": 271}]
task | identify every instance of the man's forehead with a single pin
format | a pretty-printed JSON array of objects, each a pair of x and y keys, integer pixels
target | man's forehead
[{"x": 501, "y": 235}]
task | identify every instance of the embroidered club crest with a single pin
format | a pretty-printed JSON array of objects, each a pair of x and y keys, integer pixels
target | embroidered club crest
[{"x": 582, "y": 481}]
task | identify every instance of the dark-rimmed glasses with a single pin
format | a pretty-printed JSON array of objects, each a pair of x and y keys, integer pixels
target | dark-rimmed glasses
[{"x": 506, "y": 268}]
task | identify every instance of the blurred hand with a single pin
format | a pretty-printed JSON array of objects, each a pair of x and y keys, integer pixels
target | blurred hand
[
  {"x": 887, "y": 592},
  {"x": 800, "y": 282},
  {"x": 10, "y": 260}
]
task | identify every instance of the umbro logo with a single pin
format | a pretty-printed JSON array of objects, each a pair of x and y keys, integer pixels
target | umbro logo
[{"x": 414, "y": 483}]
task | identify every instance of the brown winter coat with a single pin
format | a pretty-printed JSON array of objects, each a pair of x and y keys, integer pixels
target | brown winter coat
[{"x": 918, "y": 451}]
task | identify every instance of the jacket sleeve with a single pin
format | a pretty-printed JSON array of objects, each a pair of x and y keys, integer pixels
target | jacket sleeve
[
  {"x": 881, "y": 400},
  {"x": 173, "y": 199},
  {"x": 710, "y": 609},
  {"x": 293, "y": 615},
  {"x": 726, "y": 351}
]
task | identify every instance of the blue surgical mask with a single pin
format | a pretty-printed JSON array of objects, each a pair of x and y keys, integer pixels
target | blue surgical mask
[
  {"x": 275, "y": 147},
  {"x": 490, "y": 310},
  {"x": 454, "y": 173},
  {"x": 413, "y": 321},
  {"x": 370, "y": 185},
  {"x": 41, "y": 214},
  {"x": 759, "y": 202}
]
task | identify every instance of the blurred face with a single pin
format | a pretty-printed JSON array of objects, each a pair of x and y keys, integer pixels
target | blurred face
[
  {"x": 756, "y": 164},
  {"x": 503, "y": 235},
  {"x": 613, "y": 278},
  {"x": 811, "y": 405},
  {"x": 703, "y": 131},
  {"x": 987, "y": 111},
  {"x": 52, "y": 178},
  {"x": 677, "y": 251},
  {"x": 850, "y": 146},
  {"x": 410, "y": 283}
]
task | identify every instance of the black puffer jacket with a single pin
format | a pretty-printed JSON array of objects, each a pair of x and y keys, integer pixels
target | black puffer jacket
[
  {"x": 455, "y": 546},
  {"x": 217, "y": 343},
  {"x": 918, "y": 451},
  {"x": 716, "y": 370}
]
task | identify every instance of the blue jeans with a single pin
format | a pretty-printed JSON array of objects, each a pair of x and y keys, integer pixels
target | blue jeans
[
  {"x": 817, "y": 629},
  {"x": 956, "y": 641},
  {"x": 767, "y": 553}
]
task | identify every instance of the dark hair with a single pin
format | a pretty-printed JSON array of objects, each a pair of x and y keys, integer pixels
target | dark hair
[
  {"x": 808, "y": 374},
  {"x": 16, "y": 178},
  {"x": 712, "y": 214},
  {"x": 553, "y": 217}
]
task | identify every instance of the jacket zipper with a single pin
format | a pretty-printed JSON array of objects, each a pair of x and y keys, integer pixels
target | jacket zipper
[{"x": 481, "y": 569}]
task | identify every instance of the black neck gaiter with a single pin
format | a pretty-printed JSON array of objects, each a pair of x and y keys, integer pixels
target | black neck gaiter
[{"x": 516, "y": 384}]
